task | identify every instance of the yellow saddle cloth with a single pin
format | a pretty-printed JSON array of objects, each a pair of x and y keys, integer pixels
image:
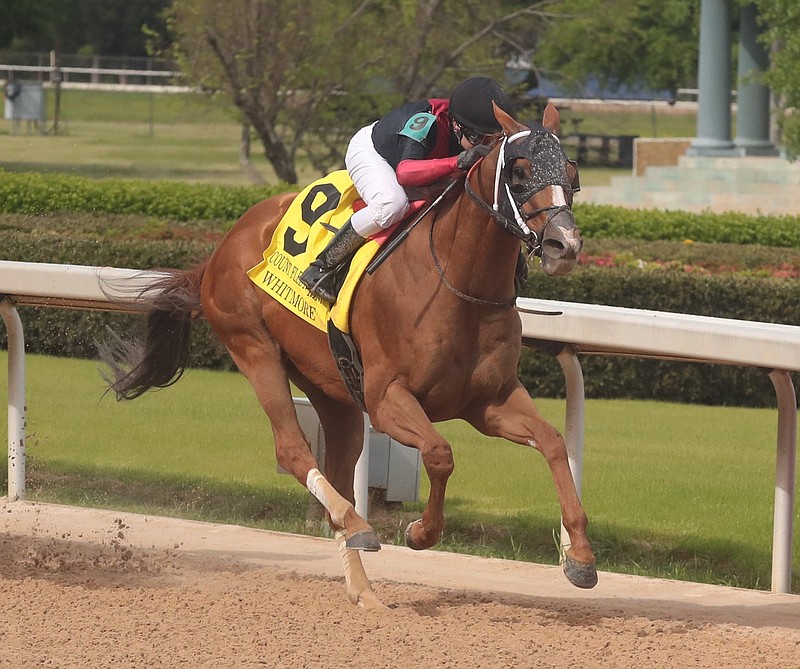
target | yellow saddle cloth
[{"x": 297, "y": 241}]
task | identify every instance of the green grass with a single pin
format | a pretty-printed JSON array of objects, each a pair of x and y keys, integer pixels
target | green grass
[
  {"x": 671, "y": 490},
  {"x": 182, "y": 137},
  {"x": 659, "y": 121},
  {"x": 192, "y": 138},
  {"x": 182, "y": 152}
]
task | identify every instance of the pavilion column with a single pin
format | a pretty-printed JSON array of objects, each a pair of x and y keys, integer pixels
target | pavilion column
[
  {"x": 753, "y": 97},
  {"x": 714, "y": 81}
]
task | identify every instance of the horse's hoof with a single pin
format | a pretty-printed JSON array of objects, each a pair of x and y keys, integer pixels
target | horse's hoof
[
  {"x": 364, "y": 541},
  {"x": 580, "y": 574},
  {"x": 369, "y": 600},
  {"x": 410, "y": 539}
]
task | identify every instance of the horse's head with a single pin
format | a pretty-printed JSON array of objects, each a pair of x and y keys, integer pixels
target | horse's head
[{"x": 534, "y": 182}]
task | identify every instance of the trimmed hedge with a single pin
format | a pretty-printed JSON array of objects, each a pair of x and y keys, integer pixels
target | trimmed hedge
[
  {"x": 127, "y": 242},
  {"x": 86, "y": 235},
  {"x": 607, "y": 222},
  {"x": 721, "y": 295},
  {"x": 743, "y": 297},
  {"x": 56, "y": 247},
  {"x": 35, "y": 193}
]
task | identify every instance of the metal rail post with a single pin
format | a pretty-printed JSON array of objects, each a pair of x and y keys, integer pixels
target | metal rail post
[
  {"x": 785, "y": 477},
  {"x": 16, "y": 400},
  {"x": 574, "y": 421},
  {"x": 361, "y": 475}
]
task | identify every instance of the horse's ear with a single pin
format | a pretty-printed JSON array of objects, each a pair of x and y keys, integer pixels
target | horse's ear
[
  {"x": 507, "y": 123},
  {"x": 551, "y": 119}
]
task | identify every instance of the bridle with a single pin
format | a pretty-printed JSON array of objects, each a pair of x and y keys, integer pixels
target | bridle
[{"x": 509, "y": 200}]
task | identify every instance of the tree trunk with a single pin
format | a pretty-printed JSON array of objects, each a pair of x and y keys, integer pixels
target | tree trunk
[
  {"x": 244, "y": 157},
  {"x": 275, "y": 152}
]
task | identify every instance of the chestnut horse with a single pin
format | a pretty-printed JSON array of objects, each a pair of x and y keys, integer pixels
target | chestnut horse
[{"x": 435, "y": 325}]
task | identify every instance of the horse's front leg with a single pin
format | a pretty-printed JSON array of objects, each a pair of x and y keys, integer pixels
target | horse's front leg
[
  {"x": 400, "y": 416},
  {"x": 517, "y": 419}
]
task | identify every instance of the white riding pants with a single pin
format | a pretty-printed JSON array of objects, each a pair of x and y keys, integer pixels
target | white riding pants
[{"x": 376, "y": 183}]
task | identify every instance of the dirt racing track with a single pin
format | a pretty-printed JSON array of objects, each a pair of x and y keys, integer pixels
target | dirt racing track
[{"x": 84, "y": 588}]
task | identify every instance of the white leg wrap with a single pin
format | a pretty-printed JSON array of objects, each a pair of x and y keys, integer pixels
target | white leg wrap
[
  {"x": 341, "y": 538},
  {"x": 359, "y": 591},
  {"x": 333, "y": 502}
]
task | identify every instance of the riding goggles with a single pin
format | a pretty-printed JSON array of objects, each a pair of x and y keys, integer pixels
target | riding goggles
[{"x": 473, "y": 136}]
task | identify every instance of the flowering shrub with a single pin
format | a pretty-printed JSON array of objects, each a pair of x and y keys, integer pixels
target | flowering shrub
[
  {"x": 730, "y": 266},
  {"x": 627, "y": 260}
]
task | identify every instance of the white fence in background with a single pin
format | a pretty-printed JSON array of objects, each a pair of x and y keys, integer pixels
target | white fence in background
[
  {"x": 582, "y": 328},
  {"x": 126, "y": 79}
]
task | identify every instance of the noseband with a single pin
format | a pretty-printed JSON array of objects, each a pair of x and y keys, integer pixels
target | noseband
[{"x": 543, "y": 150}]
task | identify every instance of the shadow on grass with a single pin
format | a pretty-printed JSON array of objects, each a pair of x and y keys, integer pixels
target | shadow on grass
[
  {"x": 525, "y": 536},
  {"x": 278, "y": 509}
]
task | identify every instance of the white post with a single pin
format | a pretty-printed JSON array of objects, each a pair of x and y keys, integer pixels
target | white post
[
  {"x": 785, "y": 475},
  {"x": 574, "y": 421},
  {"x": 16, "y": 400},
  {"x": 361, "y": 480}
]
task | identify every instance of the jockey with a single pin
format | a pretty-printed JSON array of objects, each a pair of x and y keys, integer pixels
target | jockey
[{"x": 416, "y": 144}]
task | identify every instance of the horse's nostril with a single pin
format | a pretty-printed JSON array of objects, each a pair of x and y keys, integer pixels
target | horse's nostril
[
  {"x": 554, "y": 245},
  {"x": 562, "y": 241}
]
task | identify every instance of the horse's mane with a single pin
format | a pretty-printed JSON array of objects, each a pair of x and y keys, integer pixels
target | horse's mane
[{"x": 428, "y": 193}]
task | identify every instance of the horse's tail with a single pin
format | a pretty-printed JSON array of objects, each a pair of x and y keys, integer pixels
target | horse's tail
[{"x": 157, "y": 355}]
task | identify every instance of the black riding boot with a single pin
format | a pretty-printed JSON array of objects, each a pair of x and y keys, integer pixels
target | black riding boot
[{"x": 320, "y": 277}]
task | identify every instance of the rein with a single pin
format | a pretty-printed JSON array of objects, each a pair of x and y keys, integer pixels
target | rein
[
  {"x": 516, "y": 226},
  {"x": 456, "y": 291}
]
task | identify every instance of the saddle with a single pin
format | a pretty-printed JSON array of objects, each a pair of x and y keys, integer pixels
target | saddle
[{"x": 311, "y": 220}]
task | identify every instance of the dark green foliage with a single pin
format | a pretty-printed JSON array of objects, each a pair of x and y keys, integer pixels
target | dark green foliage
[
  {"x": 74, "y": 333},
  {"x": 49, "y": 246},
  {"x": 721, "y": 295},
  {"x": 78, "y": 221},
  {"x": 604, "y": 222},
  {"x": 35, "y": 193}
]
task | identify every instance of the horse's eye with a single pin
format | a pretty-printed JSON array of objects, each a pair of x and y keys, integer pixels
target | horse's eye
[{"x": 518, "y": 173}]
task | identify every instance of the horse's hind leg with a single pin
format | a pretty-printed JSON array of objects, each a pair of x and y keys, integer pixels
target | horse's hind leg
[
  {"x": 401, "y": 417},
  {"x": 344, "y": 436},
  {"x": 343, "y": 425},
  {"x": 259, "y": 359},
  {"x": 518, "y": 420}
]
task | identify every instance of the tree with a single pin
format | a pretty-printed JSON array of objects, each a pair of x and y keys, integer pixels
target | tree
[
  {"x": 624, "y": 42},
  {"x": 25, "y": 22},
  {"x": 306, "y": 74},
  {"x": 109, "y": 28},
  {"x": 781, "y": 36},
  {"x": 98, "y": 26}
]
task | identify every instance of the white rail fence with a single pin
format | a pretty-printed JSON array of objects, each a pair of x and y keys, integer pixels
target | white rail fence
[
  {"x": 582, "y": 328},
  {"x": 125, "y": 79}
]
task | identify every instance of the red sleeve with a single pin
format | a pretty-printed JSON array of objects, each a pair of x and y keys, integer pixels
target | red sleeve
[{"x": 425, "y": 172}]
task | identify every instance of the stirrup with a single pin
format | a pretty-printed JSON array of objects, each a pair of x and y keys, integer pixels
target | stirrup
[{"x": 319, "y": 281}]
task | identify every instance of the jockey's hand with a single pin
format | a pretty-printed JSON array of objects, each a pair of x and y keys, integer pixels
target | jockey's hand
[{"x": 468, "y": 158}]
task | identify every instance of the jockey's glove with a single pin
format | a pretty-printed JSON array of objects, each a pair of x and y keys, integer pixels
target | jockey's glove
[{"x": 468, "y": 158}]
